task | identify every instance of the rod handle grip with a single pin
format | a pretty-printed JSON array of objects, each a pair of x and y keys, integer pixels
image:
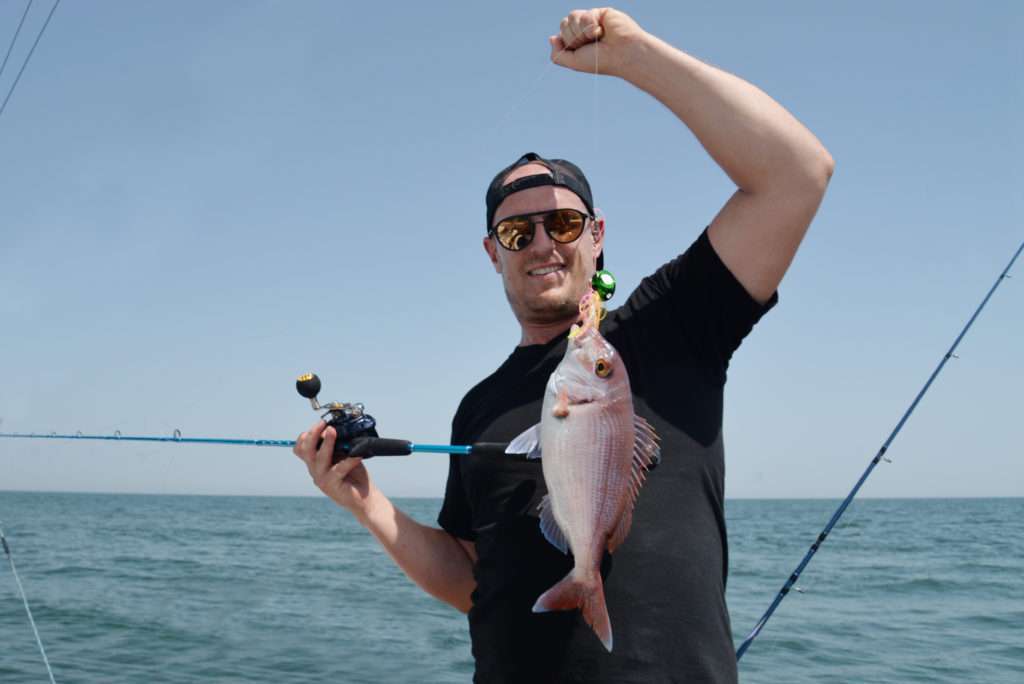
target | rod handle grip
[
  {"x": 368, "y": 447},
  {"x": 489, "y": 448}
]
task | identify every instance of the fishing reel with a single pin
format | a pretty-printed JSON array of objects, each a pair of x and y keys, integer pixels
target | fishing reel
[{"x": 350, "y": 421}]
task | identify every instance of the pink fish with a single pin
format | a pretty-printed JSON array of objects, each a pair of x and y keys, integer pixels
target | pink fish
[{"x": 596, "y": 453}]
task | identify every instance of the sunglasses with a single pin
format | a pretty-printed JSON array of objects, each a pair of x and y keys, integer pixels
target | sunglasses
[{"x": 562, "y": 225}]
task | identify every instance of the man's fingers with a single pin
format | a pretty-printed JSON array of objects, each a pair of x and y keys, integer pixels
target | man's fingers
[
  {"x": 575, "y": 33},
  {"x": 316, "y": 430},
  {"x": 324, "y": 455},
  {"x": 578, "y": 26},
  {"x": 581, "y": 27},
  {"x": 570, "y": 31},
  {"x": 342, "y": 468},
  {"x": 300, "y": 442},
  {"x": 558, "y": 49},
  {"x": 305, "y": 445}
]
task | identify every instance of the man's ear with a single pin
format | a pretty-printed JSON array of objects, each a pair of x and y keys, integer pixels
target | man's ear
[
  {"x": 598, "y": 234},
  {"x": 492, "y": 253}
]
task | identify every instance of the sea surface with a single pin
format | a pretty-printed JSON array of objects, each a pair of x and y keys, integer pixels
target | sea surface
[{"x": 136, "y": 588}]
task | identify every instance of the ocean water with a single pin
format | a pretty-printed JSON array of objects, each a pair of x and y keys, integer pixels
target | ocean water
[{"x": 128, "y": 588}]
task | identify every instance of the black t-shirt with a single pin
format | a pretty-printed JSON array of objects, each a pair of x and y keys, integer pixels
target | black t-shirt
[{"x": 665, "y": 586}]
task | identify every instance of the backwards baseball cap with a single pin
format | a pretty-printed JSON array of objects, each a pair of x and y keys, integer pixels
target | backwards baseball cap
[{"x": 563, "y": 174}]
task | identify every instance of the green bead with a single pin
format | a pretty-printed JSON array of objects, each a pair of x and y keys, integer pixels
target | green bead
[{"x": 603, "y": 283}]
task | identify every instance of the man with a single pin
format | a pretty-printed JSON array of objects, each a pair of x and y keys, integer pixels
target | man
[{"x": 665, "y": 586}]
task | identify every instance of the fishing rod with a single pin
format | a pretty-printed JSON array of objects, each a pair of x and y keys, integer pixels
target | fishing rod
[
  {"x": 791, "y": 581},
  {"x": 356, "y": 429}
]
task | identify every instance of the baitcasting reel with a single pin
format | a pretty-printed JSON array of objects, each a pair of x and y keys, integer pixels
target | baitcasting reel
[{"x": 350, "y": 421}]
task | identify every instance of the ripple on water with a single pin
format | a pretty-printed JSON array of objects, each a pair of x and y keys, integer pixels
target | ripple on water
[{"x": 236, "y": 589}]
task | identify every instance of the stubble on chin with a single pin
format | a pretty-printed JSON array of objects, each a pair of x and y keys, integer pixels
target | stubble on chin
[{"x": 543, "y": 310}]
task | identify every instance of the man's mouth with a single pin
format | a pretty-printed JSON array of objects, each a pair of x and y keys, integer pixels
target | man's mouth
[{"x": 544, "y": 270}]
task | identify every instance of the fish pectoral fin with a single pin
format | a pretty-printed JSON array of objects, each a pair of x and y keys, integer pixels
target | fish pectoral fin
[
  {"x": 561, "y": 407},
  {"x": 527, "y": 443},
  {"x": 550, "y": 528}
]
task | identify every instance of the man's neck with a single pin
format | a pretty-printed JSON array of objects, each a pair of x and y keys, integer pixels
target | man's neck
[{"x": 542, "y": 333}]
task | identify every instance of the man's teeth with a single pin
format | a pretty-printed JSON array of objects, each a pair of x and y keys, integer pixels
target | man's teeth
[{"x": 545, "y": 270}]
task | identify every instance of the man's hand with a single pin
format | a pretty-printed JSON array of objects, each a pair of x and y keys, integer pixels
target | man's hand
[
  {"x": 347, "y": 483},
  {"x": 574, "y": 46},
  {"x": 438, "y": 562}
]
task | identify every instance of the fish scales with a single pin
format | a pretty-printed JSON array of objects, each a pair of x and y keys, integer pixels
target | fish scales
[{"x": 588, "y": 485}]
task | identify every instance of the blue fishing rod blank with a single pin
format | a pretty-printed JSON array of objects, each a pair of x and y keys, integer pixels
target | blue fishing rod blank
[{"x": 374, "y": 446}]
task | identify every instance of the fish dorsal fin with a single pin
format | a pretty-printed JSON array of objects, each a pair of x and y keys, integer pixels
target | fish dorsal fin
[
  {"x": 549, "y": 526},
  {"x": 527, "y": 443},
  {"x": 646, "y": 448},
  {"x": 646, "y": 455}
]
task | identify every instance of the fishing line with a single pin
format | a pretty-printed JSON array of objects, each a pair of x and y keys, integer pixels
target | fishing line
[
  {"x": 530, "y": 90},
  {"x": 524, "y": 96},
  {"x": 880, "y": 456},
  {"x": 24, "y": 599},
  {"x": 28, "y": 57},
  {"x": 15, "y": 38},
  {"x": 597, "y": 76}
]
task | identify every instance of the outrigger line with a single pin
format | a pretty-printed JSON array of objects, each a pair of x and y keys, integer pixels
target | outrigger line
[
  {"x": 871, "y": 466},
  {"x": 24, "y": 599}
]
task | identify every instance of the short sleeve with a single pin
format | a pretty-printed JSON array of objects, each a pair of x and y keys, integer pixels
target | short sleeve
[
  {"x": 455, "y": 517},
  {"x": 698, "y": 296}
]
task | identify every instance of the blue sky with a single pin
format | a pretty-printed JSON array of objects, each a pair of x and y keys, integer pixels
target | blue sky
[{"x": 199, "y": 201}]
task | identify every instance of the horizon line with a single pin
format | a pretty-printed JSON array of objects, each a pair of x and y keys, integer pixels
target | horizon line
[{"x": 439, "y": 498}]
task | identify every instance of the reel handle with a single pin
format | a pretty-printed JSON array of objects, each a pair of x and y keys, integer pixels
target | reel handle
[{"x": 308, "y": 385}]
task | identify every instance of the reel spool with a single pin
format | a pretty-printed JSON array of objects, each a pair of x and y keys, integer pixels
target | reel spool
[{"x": 350, "y": 421}]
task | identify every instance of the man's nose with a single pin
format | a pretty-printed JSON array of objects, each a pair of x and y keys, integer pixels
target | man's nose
[{"x": 541, "y": 240}]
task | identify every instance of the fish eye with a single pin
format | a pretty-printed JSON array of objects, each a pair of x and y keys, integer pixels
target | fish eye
[{"x": 603, "y": 368}]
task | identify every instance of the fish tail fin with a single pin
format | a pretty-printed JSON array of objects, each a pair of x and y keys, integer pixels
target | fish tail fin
[{"x": 587, "y": 594}]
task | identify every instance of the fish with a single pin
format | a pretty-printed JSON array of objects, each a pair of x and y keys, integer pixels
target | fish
[{"x": 595, "y": 453}]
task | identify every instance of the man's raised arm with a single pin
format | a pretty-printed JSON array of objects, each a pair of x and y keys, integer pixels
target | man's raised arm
[{"x": 780, "y": 168}]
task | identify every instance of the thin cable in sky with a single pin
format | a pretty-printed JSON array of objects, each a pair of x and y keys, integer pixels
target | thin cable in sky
[
  {"x": 15, "y": 38},
  {"x": 28, "y": 57}
]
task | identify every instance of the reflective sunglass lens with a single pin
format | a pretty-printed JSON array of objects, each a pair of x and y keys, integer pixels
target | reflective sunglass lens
[
  {"x": 515, "y": 234},
  {"x": 564, "y": 225}
]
